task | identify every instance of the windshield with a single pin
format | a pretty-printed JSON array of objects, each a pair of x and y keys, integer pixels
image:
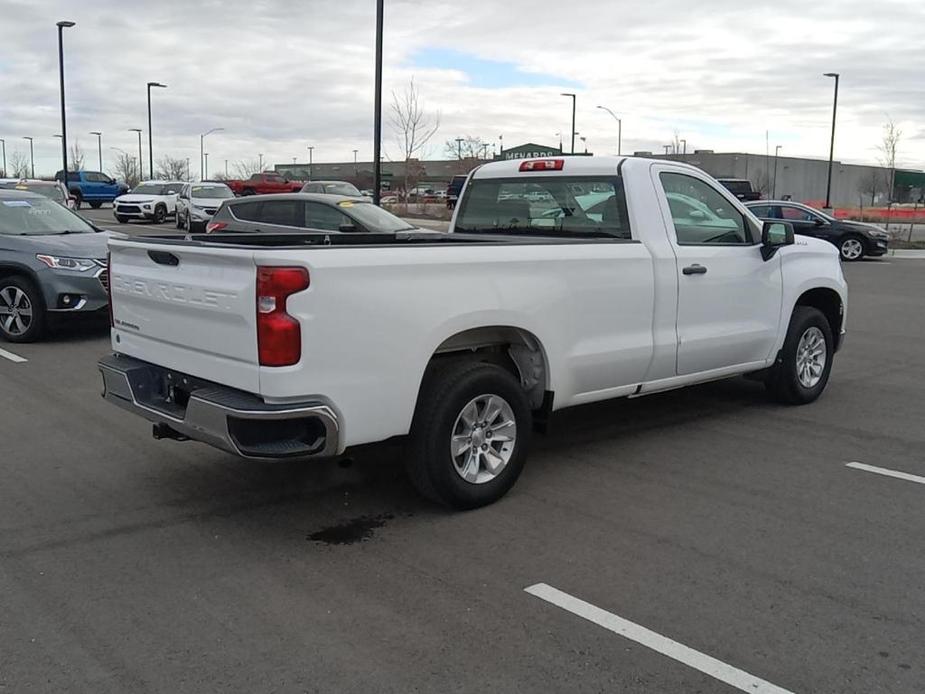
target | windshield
[
  {"x": 38, "y": 216},
  {"x": 212, "y": 192},
  {"x": 373, "y": 218},
  {"x": 546, "y": 206},
  {"x": 737, "y": 187},
  {"x": 150, "y": 189},
  {"x": 342, "y": 189},
  {"x": 47, "y": 189}
]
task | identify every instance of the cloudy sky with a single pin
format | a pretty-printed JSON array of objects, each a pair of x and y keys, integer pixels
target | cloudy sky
[{"x": 281, "y": 75}]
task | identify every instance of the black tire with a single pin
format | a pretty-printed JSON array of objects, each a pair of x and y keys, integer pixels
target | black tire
[
  {"x": 848, "y": 248},
  {"x": 248, "y": 191},
  {"x": 447, "y": 389},
  {"x": 783, "y": 381},
  {"x": 178, "y": 220},
  {"x": 96, "y": 205},
  {"x": 122, "y": 219},
  {"x": 78, "y": 200},
  {"x": 10, "y": 287},
  {"x": 160, "y": 214}
]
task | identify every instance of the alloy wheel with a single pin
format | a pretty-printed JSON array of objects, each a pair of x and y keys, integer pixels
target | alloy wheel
[
  {"x": 483, "y": 438},
  {"x": 811, "y": 357},
  {"x": 15, "y": 311}
]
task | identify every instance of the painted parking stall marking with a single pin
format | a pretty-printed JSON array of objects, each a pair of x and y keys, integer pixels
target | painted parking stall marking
[
  {"x": 12, "y": 357},
  {"x": 661, "y": 644},
  {"x": 886, "y": 472}
]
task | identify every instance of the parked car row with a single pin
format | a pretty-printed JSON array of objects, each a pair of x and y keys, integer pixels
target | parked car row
[{"x": 54, "y": 190}]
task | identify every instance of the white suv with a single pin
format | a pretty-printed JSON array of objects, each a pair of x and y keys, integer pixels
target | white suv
[
  {"x": 152, "y": 200},
  {"x": 198, "y": 202}
]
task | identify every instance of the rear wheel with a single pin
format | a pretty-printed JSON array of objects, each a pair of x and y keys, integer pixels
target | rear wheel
[
  {"x": 470, "y": 434},
  {"x": 22, "y": 310},
  {"x": 178, "y": 220},
  {"x": 851, "y": 248},
  {"x": 96, "y": 204},
  {"x": 78, "y": 200},
  {"x": 802, "y": 371},
  {"x": 248, "y": 191}
]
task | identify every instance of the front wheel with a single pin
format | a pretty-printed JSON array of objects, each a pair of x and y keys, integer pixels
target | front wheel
[
  {"x": 160, "y": 214},
  {"x": 802, "y": 370},
  {"x": 96, "y": 205},
  {"x": 22, "y": 310},
  {"x": 851, "y": 248},
  {"x": 122, "y": 219},
  {"x": 470, "y": 434},
  {"x": 178, "y": 220}
]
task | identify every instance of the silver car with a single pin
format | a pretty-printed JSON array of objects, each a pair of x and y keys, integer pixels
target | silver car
[{"x": 198, "y": 202}]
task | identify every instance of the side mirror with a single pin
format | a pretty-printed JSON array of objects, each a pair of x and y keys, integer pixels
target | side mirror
[
  {"x": 774, "y": 235},
  {"x": 347, "y": 227},
  {"x": 819, "y": 222}
]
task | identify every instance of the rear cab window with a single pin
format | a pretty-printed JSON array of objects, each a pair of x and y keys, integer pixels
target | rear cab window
[{"x": 549, "y": 205}]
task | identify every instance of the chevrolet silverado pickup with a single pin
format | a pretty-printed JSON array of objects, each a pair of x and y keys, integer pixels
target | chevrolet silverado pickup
[{"x": 564, "y": 281}]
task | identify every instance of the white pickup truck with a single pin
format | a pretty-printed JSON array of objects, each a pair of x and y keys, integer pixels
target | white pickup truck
[{"x": 564, "y": 281}]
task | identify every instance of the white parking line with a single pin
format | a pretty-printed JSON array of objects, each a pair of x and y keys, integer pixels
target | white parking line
[
  {"x": 12, "y": 357},
  {"x": 661, "y": 644},
  {"x": 886, "y": 472}
]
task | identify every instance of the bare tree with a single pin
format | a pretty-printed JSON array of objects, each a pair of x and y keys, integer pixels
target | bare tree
[
  {"x": 243, "y": 168},
  {"x": 18, "y": 165},
  {"x": 413, "y": 125},
  {"x": 761, "y": 182},
  {"x": 75, "y": 158},
  {"x": 468, "y": 148},
  {"x": 888, "y": 147},
  {"x": 171, "y": 169},
  {"x": 126, "y": 169},
  {"x": 871, "y": 185}
]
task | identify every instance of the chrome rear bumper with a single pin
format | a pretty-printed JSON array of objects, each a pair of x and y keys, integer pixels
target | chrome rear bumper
[{"x": 183, "y": 407}]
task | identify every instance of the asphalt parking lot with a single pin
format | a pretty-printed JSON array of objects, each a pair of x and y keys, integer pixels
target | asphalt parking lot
[{"x": 717, "y": 530}]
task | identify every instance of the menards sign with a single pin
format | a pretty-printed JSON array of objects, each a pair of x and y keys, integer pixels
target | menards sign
[{"x": 530, "y": 151}]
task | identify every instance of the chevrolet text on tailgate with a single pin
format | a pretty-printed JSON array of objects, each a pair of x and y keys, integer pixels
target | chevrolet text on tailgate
[{"x": 564, "y": 281}]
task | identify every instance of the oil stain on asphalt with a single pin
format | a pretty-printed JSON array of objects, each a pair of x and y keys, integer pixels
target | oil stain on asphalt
[{"x": 351, "y": 531}]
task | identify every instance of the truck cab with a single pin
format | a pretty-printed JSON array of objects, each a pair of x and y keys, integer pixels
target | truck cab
[{"x": 92, "y": 187}]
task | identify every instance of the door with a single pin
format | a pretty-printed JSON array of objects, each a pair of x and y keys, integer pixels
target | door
[
  {"x": 807, "y": 223},
  {"x": 729, "y": 298}
]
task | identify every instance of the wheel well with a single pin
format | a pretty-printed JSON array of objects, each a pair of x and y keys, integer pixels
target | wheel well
[
  {"x": 829, "y": 302},
  {"x": 517, "y": 350},
  {"x": 6, "y": 271}
]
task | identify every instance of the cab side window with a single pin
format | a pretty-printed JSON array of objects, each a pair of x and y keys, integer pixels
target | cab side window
[
  {"x": 702, "y": 215},
  {"x": 324, "y": 217},
  {"x": 795, "y": 214}
]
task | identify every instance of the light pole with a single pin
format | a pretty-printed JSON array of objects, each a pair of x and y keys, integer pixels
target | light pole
[
  {"x": 501, "y": 145},
  {"x": 226, "y": 168},
  {"x": 201, "y": 139},
  {"x": 619, "y": 130},
  {"x": 667, "y": 149},
  {"x": 189, "y": 176},
  {"x": 573, "y": 118},
  {"x": 141, "y": 172},
  {"x": 584, "y": 141},
  {"x": 61, "y": 27},
  {"x": 377, "y": 105},
  {"x": 3, "y": 145},
  {"x": 32, "y": 159},
  {"x": 684, "y": 145},
  {"x": 828, "y": 185},
  {"x": 151, "y": 144},
  {"x": 99, "y": 144},
  {"x": 777, "y": 150},
  {"x": 459, "y": 141},
  {"x": 355, "y": 172},
  {"x": 260, "y": 162},
  {"x": 310, "y": 150},
  {"x": 206, "y": 166},
  {"x": 559, "y": 135}
]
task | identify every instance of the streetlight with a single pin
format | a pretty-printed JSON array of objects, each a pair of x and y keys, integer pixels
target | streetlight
[
  {"x": 573, "y": 118},
  {"x": 584, "y": 141},
  {"x": 201, "y": 139},
  {"x": 459, "y": 141},
  {"x": 226, "y": 168},
  {"x": 99, "y": 144},
  {"x": 260, "y": 162},
  {"x": 3, "y": 145},
  {"x": 619, "y": 130},
  {"x": 501, "y": 145},
  {"x": 377, "y": 105},
  {"x": 310, "y": 150},
  {"x": 667, "y": 149},
  {"x": 206, "y": 167},
  {"x": 32, "y": 158},
  {"x": 61, "y": 27},
  {"x": 559, "y": 135},
  {"x": 141, "y": 172},
  {"x": 684, "y": 144},
  {"x": 355, "y": 172},
  {"x": 151, "y": 144},
  {"x": 828, "y": 185},
  {"x": 777, "y": 150}
]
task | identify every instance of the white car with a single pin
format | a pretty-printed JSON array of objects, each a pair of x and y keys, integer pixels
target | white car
[
  {"x": 149, "y": 200},
  {"x": 297, "y": 347},
  {"x": 197, "y": 203}
]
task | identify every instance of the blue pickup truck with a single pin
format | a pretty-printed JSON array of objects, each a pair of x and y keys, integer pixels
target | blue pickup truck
[{"x": 92, "y": 187}]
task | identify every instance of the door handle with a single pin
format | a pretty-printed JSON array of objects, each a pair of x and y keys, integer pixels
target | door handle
[{"x": 694, "y": 269}]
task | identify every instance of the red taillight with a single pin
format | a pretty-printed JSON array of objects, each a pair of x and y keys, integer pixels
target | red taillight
[
  {"x": 542, "y": 165},
  {"x": 279, "y": 335},
  {"x": 112, "y": 322},
  {"x": 212, "y": 227}
]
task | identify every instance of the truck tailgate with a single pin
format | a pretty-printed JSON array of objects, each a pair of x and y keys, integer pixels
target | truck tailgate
[{"x": 188, "y": 308}]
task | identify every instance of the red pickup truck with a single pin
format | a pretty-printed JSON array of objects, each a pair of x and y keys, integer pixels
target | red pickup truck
[{"x": 260, "y": 183}]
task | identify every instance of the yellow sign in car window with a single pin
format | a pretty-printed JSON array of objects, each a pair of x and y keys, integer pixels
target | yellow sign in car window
[{"x": 345, "y": 203}]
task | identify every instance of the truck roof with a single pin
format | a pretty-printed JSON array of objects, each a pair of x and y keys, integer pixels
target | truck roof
[{"x": 571, "y": 166}]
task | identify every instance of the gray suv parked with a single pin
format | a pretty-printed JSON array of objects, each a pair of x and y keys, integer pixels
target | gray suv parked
[{"x": 52, "y": 263}]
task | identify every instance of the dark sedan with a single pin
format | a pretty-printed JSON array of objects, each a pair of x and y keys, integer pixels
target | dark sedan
[
  {"x": 52, "y": 263},
  {"x": 304, "y": 212},
  {"x": 854, "y": 240}
]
